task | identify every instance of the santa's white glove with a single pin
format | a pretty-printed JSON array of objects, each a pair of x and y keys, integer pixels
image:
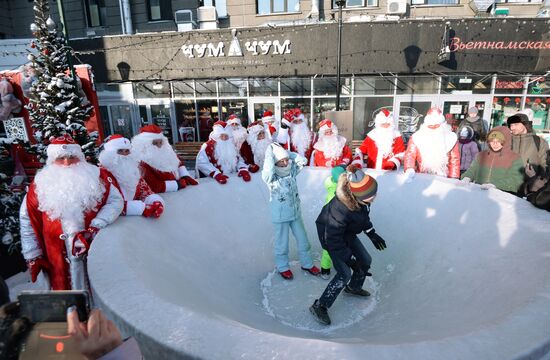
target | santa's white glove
[
  {"x": 465, "y": 181},
  {"x": 300, "y": 161},
  {"x": 409, "y": 175},
  {"x": 328, "y": 163},
  {"x": 79, "y": 248},
  {"x": 487, "y": 186}
]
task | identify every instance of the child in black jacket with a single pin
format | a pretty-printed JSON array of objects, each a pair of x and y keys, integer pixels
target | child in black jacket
[{"x": 345, "y": 216}]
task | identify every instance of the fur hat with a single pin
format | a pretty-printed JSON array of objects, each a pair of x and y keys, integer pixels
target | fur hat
[
  {"x": 383, "y": 116},
  {"x": 518, "y": 118},
  {"x": 63, "y": 146},
  {"x": 326, "y": 125},
  {"x": 117, "y": 142},
  {"x": 267, "y": 117},
  {"x": 233, "y": 119},
  {"x": 434, "y": 117},
  {"x": 152, "y": 132},
  {"x": 218, "y": 129},
  {"x": 362, "y": 186}
]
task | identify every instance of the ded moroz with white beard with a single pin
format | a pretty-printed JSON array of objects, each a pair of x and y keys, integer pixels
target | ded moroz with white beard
[
  {"x": 271, "y": 124},
  {"x": 295, "y": 135},
  {"x": 139, "y": 199},
  {"x": 383, "y": 148},
  {"x": 253, "y": 150},
  {"x": 331, "y": 149},
  {"x": 160, "y": 166},
  {"x": 218, "y": 157},
  {"x": 433, "y": 149},
  {"x": 67, "y": 204},
  {"x": 240, "y": 138}
]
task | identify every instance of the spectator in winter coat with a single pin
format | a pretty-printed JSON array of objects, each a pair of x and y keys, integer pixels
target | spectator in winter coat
[
  {"x": 338, "y": 224},
  {"x": 498, "y": 166},
  {"x": 279, "y": 173},
  {"x": 526, "y": 143},
  {"x": 468, "y": 148},
  {"x": 477, "y": 124},
  {"x": 538, "y": 187}
]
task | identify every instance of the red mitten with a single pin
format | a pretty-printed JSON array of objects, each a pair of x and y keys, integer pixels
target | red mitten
[
  {"x": 36, "y": 265},
  {"x": 253, "y": 168},
  {"x": 389, "y": 165},
  {"x": 153, "y": 210},
  {"x": 82, "y": 241},
  {"x": 190, "y": 181},
  {"x": 221, "y": 178},
  {"x": 245, "y": 175},
  {"x": 182, "y": 184}
]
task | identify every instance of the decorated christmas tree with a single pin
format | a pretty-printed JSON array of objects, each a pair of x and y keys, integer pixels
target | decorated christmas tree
[{"x": 57, "y": 104}]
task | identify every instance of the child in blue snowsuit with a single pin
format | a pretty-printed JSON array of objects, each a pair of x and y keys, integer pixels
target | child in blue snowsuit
[{"x": 279, "y": 173}]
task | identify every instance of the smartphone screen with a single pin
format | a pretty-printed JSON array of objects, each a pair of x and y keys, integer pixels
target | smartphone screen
[{"x": 51, "y": 306}]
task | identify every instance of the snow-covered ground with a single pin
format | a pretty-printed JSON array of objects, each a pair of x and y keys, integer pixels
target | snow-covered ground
[{"x": 466, "y": 275}]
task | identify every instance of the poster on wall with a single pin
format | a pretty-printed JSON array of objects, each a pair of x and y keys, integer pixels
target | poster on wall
[{"x": 164, "y": 123}]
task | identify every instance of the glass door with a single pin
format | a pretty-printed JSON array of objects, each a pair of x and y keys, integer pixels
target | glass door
[
  {"x": 258, "y": 105},
  {"x": 159, "y": 113},
  {"x": 456, "y": 106},
  {"x": 117, "y": 119}
]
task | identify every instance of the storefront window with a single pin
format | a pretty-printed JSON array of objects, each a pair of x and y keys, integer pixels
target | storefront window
[
  {"x": 509, "y": 84},
  {"x": 321, "y": 105},
  {"x": 206, "y": 88},
  {"x": 503, "y": 107},
  {"x": 539, "y": 105},
  {"x": 263, "y": 87},
  {"x": 417, "y": 85},
  {"x": 466, "y": 84},
  {"x": 232, "y": 87},
  {"x": 327, "y": 86},
  {"x": 148, "y": 90},
  {"x": 374, "y": 85},
  {"x": 539, "y": 85},
  {"x": 121, "y": 119},
  {"x": 237, "y": 107},
  {"x": 208, "y": 115},
  {"x": 296, "y": 87},
  {"x": 160, "y": 116},
  {"x": 303, "y": 104},
  {"x": 104, "y": 111},
  {"x": 364, "y": 109},
  {"x": 183, "y": 88},
  {"x": 186, "y": 120}
]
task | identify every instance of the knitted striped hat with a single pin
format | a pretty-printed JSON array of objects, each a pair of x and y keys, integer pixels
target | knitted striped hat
[{"x": 362, "y": 186}]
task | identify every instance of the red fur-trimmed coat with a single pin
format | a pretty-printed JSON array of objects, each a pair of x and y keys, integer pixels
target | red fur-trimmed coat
[
  {"x": 285, "y": 139},
  {"x": 318, "y": 158},
  {"x": 41, "y": 236},
  {"x": 207, "y": 164},
  {"x": 162, "y": 181},
  {"x": 246, "y": 153},
  {"x": 413, "y": 160},
  {"x": 379, "y": 161},
  {"x": 134, "y": 204}
]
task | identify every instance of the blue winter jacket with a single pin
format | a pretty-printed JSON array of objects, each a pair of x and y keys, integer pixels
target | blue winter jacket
[{"x": 283, "y": 191}]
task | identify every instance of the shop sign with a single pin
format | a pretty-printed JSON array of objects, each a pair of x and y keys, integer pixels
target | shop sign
[
  {"x": 457, "y": 45},
  {"x": 505, "y": 84},
  {"x": 254, "y": 48}
]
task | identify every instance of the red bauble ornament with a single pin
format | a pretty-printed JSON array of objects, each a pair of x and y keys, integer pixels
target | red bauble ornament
[
  {"x": 537, "y": 101},
  {"x": 527, "y": 101},
  {"x": 506, "y": 100},
  {"x": 517, "y": 100}
]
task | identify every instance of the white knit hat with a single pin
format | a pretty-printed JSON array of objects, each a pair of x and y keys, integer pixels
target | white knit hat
[{"x": 279, "y": 152}]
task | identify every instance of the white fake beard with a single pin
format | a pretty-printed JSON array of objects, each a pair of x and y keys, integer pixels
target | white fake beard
[
  {"x": 226, "y": 155},
  {"x": 258, "y": 150},
  {"x": 330, "y": 146},
  {"x": 68, "y": 192},
  {"x": 239, "y": 136},
  {"x": 163, "y": 158},
  {"x": 125, "y": 169},
  {"x": 300, "y": 137},
  {"x": 383, "y": 137},
  {"x": 433, "y": 150}
]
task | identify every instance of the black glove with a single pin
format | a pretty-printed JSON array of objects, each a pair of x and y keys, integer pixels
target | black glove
[
  {"x": 376, "y": 239},
  {"x": 12, "y": 329}
]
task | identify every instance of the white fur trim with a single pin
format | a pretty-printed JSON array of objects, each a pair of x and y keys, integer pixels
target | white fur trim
[
  {"x": 434, "y": 118},
  {"x": 117, "y": 144},
  {"x": 152, "y": 198},
  {"x": 55, "y": 151},
  {"x": 380, "y": 119},
  {"x": 150, "y": 136},
  {"x": 171, "y": 185},
  {"x": 234, "y": 121},
  {"x": 134, "y": 207},
  {"x": 396, "y": 161},
  {"x": 268, "y": 119},
  {"x": 182, "y": 171},
  {"x": 282, "y": 136}
]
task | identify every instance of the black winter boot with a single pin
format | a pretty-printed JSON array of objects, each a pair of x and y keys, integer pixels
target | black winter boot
[
  {"x": 320, "y": 312},
  {"x": 359, "y": 292}
]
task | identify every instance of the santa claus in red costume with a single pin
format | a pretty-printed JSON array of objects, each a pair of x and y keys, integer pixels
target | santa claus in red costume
[
  {"x": 331, "y": 149},
  {"x": 295, "y": 135},
  {"x": 139, "y": 199},
  {"x": 68, "y": 202},
  {"x": 433, "y": 149},
  {"x": 383, "y": 147},
  {"x": 238, "y": 132},
  {"x": 271, "y": 124},
  {"x": 159, "y": 163},
  {"x": 218, "y": 158},
  {"x": 258, "y": 143}
]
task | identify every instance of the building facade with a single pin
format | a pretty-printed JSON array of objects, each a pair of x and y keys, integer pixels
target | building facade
[{"x": 279, "y": 54}]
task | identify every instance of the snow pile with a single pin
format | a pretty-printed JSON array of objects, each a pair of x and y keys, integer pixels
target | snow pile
[{"x": 466, "y": 275}]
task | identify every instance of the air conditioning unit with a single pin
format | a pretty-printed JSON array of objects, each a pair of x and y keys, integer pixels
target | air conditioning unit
[
  {"x": 207, "y": 13},
  {"x": 397, "y": 7},
  {"x": 184, "y": 20}
]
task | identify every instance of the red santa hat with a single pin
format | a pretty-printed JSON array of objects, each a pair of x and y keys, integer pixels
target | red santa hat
[
  {"x": 63, "y": 146},
  {"x": 268, "y": 117},
  {"x": 152, "y": 132},
  {"x": 383, "y": 116},
  {"x": 255, "y": 128},
  {"x": 298, "y": 114},
  {"x": 327, "y": 125},
  {"x": 434, "y": 117},
  {"x": 117, "y": 142},
  {"x": 218, "y": 129},
  {"x": 233, "y": 119}
]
